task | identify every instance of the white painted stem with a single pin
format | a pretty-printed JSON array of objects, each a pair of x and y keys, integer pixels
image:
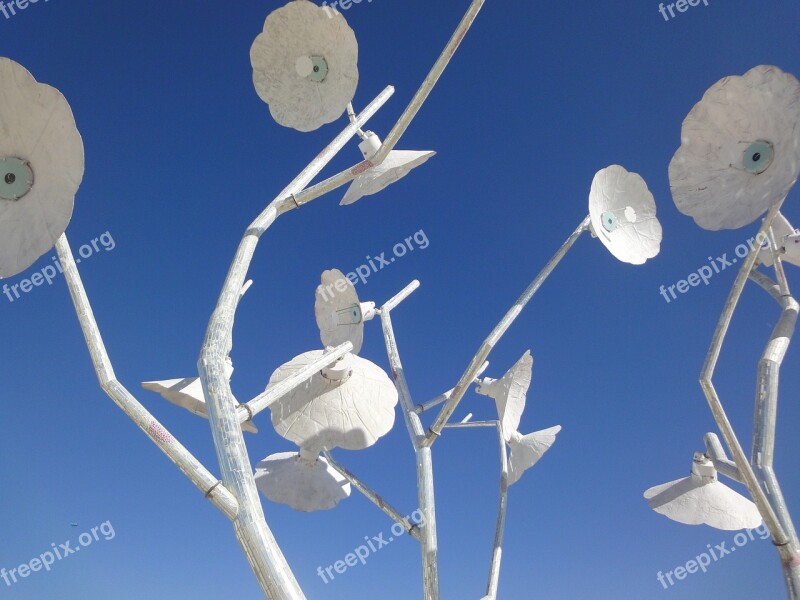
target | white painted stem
[
  {"x": 263, "y": 553},
  {"x": 500, "y": 329},
  {"x": 424, "y": 459},
  {"x": 374, "y": 497},
  {"x": 210, "y": 486},
  {"x": 247, "y": 411}
]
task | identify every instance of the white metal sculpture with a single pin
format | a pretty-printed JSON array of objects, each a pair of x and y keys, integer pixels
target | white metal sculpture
[
  {"x": 739, "y": 157},
  {"x": 305, "y": 68}
]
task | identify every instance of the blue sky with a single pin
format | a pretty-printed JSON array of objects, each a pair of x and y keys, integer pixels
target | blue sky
[{"x": 181, "y": 154}]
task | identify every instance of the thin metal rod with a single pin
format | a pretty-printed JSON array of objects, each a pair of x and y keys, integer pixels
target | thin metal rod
[
  {"x": 483, "y": 352},
  {"x": 351, "y": 114},
  {"x": 780, "y": 274},
  {"x": 263, "y": 553},
  {"x": 719, "y": 458},
  {"x": 374, "y": 497},
  {"x": 469, "y": 424},
  {"x": 247, "y": 411},
  {"x": 499, "y": 533},
  {"x": 502, "y": 508},
  {"x": 430, "y": 81},
  {"x": 769, "y": 286},
  {"x": 442, "y": 398},
  {"x": 200, "y": 476},
  {"x": 413, "y": 423},
  {"x": 424, "y": 461},
  {"x": 328, "y": 185},
  {"x": 392, "y": 303}
]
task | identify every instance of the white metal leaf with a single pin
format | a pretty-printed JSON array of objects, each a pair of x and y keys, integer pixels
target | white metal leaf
[
  {"x": 693, "y": 501},
  {"x": 338, "y": 311},
  {"x": 526, "y": 450},
  {"x": 398, "y": 164}
]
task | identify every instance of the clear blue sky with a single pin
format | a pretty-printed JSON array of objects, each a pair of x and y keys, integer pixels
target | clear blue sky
[{"x": 181, "y": 154}]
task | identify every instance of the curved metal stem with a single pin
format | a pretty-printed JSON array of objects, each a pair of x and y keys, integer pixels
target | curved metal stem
[
  {"x": 262, "y": 550},
  {"x": 765, "y": 420},
  {"x": 780, "y": 536},
  {"x": 207, "y": 483},
  {"x": 502, "y": 507}
]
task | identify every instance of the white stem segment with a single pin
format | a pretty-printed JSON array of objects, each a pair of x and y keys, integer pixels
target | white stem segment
[
  {"x": 263, "y": 553},
  {"x": 499, "y": 533},
  {"x": 425, "y": 490},
  {"x": 442, "y": 398},
  {"x": 502, "y": 508},
  {"x": 211, "y": 487},
  {"x": 374, "y": 497},
  {"x": 430, "y": 81},
  {"x": 722, "y": 463},
  {"x": 765, "y": 421},
  {"x": 489, "y": 343}
]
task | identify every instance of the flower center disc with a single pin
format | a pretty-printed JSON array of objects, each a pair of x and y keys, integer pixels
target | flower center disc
[
  {"x": 16, "y": 178},
  {"x": 313, "y": 68},
  {"x": 610, "y": 222},
  {"x": 758, "y": 157}
]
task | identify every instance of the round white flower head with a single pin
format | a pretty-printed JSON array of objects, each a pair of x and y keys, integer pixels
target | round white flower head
[
  {"x": 306, "y": 484},
  {"x": 740, "y": 149},
  {"x": 41, "y": 167},
  {"x": 305, "y": 65},
  {"x": 350, "y": 413},
  {"x": 623, "y": 215}
]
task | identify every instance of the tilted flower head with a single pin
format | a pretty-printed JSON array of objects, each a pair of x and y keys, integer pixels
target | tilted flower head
[
  {"x": 305, "y": 65},
  {"x": 41, "y": 167},
  {"x": 322, "y": 413},
  {"x": 740, "y": 149},
  {"x": 306, "y": 484},
  {"x": 623, "y": 214}
]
